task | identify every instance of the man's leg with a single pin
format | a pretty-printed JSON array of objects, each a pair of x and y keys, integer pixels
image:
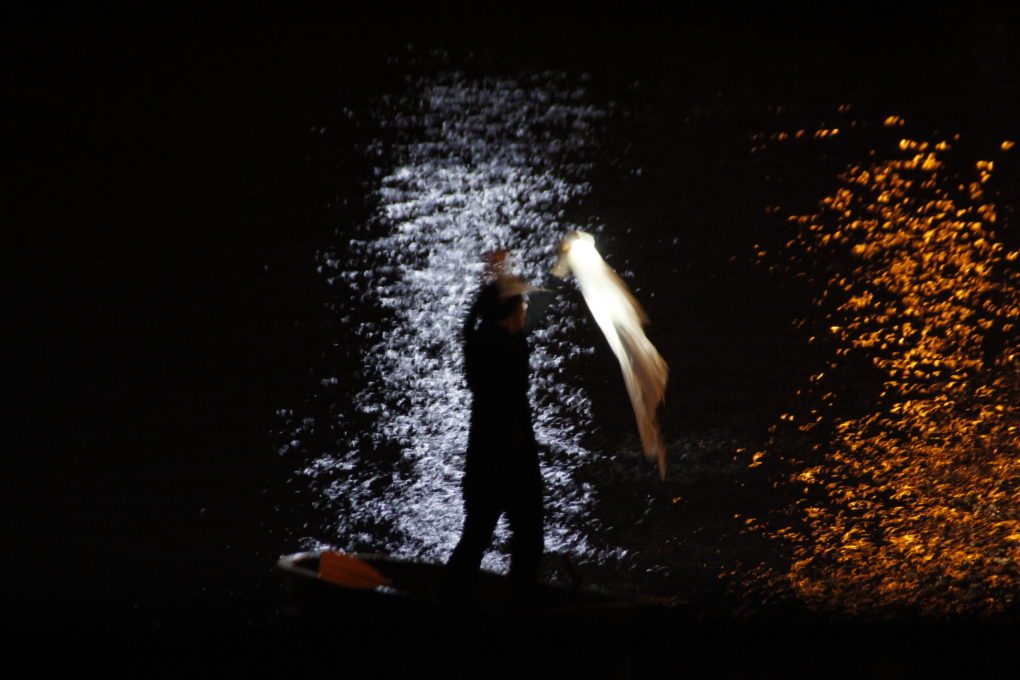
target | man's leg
[
  {"x": 525, "y": 514},
  {"x": 481, "y": 515}
]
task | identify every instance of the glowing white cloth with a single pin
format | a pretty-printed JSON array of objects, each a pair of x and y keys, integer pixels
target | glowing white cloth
[{"x": 621, "y": 319}]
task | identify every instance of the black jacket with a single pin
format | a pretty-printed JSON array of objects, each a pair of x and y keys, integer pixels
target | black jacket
[{"x": 496, "y": 363}]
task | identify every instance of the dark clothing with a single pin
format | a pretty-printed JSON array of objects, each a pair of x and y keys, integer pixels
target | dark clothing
[
  {"x": 500, "y": 438},
  {"x": 502, "y": 471},
  {"x": 484, "y": 502}
]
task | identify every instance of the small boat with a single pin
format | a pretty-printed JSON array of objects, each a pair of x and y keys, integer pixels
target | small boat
[{"x": 367, "y": 590}]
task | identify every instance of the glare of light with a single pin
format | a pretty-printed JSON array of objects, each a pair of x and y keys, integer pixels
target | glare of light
[
  {"x": 621, "y": 319},
  {"x": 913, "y": 499},
  {"x": 473, "y": 169}
]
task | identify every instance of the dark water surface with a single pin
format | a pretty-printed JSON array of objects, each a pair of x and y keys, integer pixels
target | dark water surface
[{"x": 251, "y": 251}]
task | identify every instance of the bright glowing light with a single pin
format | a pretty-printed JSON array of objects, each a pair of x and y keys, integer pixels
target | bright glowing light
[{"x": 621, "y": 319}]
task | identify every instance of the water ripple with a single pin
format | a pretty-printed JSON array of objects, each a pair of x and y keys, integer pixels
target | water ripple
[{"x": 476, "y": 165}]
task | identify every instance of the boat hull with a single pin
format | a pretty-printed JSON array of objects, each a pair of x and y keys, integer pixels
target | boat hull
[{"x": 412, "y": 599}]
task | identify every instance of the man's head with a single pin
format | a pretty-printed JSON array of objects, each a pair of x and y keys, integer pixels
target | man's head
[
  {"x": 501, "y": 307},
  {"x": 514, "y": 312}
]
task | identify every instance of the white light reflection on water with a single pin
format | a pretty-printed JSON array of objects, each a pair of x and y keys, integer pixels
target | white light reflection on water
[{"x": 477, "y": 165}]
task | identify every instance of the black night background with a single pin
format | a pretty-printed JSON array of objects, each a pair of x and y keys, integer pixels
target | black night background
[{"x": 221, "y": 346}]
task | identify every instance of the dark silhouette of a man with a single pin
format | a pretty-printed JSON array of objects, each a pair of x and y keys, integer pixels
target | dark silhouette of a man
[{"x": 502, "y": 471}]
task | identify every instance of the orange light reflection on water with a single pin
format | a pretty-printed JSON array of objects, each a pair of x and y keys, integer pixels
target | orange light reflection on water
[{"x": 913, "y": 501}]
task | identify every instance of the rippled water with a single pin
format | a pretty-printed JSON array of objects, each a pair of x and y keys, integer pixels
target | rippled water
[
  {"x": 910, "y": 478},
  {"x": 475, "y": 164},
  {"x": 866, "y": 492}
]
